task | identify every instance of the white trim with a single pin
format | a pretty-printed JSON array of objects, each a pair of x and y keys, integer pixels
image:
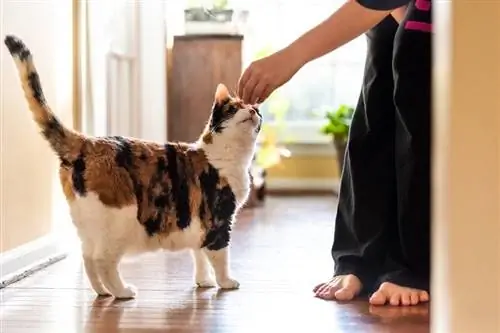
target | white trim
[
  {"x": 26, "y": 259},
  {"x": 303, "y": 184}
]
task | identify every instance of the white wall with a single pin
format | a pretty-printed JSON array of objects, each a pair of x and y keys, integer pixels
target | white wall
[{"x": 30, "y": 196}]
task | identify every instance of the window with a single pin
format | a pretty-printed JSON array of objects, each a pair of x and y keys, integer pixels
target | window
[{"x": 324, "y": 83}]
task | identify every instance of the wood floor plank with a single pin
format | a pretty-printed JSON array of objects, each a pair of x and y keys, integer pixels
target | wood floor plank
[{"x": 278, "y": 253}]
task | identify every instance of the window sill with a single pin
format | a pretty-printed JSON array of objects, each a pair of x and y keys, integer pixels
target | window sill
[{"x": 305, "y": 139}]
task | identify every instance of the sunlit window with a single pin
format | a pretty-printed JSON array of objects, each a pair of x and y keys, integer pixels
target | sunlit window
[{"x": 326, "y": 83}]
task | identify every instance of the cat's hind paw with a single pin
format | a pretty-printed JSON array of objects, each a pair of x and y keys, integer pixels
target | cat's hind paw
[{"x": 127, "y": 293}]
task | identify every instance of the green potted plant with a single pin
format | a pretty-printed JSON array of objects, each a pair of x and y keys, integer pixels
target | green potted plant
[
  {"x": 337, "y": 126},
  {"x": 200, "y": 11}
]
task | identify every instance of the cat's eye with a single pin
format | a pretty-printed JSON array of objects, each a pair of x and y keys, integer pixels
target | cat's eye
[{"x": 232, "y": 109}]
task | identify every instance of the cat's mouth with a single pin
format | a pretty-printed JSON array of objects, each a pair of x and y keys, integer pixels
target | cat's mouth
[{"x": 251, "y": 118}]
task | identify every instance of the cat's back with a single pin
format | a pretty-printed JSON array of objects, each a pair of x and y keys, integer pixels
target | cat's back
[
  {"x": 118, "y": 172},
  {"x": 111, "y": 169}
]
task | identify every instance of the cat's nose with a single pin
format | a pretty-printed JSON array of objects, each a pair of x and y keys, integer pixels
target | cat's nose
[{"x": 252, "y": 111}]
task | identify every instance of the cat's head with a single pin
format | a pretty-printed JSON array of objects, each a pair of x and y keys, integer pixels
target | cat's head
[{"x": 232, "y": 119}]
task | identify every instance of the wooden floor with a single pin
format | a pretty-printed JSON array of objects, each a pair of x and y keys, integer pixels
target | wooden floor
[{"x": 279, "y": 253}]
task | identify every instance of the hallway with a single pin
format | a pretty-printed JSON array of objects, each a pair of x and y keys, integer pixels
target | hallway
[{"x": 279, "y": 253}]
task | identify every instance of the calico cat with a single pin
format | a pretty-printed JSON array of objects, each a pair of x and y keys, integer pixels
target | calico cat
[{"x": 129, "y": 196}]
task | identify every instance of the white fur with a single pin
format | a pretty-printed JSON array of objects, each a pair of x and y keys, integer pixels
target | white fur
[
  {"x": 231, "y": 152},
  {"x": 108, "y": 234}
]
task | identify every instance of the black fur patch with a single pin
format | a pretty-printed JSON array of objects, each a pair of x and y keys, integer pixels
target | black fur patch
[
  {"x": 125, "y": 159},
  {"x": 17, "y": 47},
  {"x": 53, "y": 129},
  {"x": 208, "y": 183},
  {"x": 153, "y": 224},
  {"x": 36, "y": 87},
  {"x": 65, "y": 163},
  {"x": 222, "y": 204},
  {"x": 78, "y": 175},
  {"x": 159, "y": 197},
  {"x": 220, "y": 113},
  {"x": 218, "y": 238},
  {"x": 178, "y": 176}
]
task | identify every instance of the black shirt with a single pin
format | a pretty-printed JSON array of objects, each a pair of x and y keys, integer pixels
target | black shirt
[{"x": 383, "y": 4}]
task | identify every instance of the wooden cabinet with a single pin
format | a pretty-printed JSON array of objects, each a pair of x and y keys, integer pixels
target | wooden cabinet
[{"x": 199, "y": 63}]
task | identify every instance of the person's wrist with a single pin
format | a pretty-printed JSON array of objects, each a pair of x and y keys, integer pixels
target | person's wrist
[{"x": 296, "y": 56}]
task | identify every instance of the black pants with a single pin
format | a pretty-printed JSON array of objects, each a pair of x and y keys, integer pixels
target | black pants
[{"x": 382, "y": 228}]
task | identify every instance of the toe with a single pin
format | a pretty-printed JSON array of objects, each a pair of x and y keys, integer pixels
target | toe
[
  {"x": 315, "y": 289},
  {"x": 344, "y": 294},
  {"x": 414, "y": 298},
  {"x": 405, "y": 298},
  {"x": 327, "y": 293},
  {"x": 320, "y": 289},
  {"x": 395, "y": 299},
  {"x": 378, "y": 298},
  {"x": 342, "y": 288},
  {"x": 424, "y": 296}
]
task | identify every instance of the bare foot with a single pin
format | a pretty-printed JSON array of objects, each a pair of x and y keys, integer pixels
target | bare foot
[
  {"x": 341, "y": 288},
  {"x": 396, "y": 295}
]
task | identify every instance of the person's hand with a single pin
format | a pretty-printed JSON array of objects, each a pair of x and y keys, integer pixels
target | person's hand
[{"x": 265, "y": 75}]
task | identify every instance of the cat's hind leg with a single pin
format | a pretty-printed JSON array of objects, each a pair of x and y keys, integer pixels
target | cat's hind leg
[
  {"x": 202, "y": 270},
  {"x": 107, "y": 258},
  {"x": 91, "y": 269}
]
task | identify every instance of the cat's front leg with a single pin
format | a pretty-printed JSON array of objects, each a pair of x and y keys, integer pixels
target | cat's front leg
[{"x": 219, "y": 258}]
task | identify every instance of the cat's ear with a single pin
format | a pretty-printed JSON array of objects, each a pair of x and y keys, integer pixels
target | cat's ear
[{"x": 221, "y": 94}]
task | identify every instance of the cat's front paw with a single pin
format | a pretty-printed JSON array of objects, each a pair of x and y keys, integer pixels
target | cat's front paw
[
  {"x": 127, "y": 293},
  {"x": 228, "y": 284}
]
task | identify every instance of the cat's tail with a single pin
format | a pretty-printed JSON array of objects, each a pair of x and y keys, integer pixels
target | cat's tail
[{"x": 62, "y": 140}]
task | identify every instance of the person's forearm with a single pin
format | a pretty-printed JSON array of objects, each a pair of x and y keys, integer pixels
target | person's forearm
[{"x": 347, "y": 23}]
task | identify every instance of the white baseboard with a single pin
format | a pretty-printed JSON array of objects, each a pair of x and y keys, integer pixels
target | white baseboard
[
  {"x": 303, "y": 184},
  {"x": 26, "y": 259}
]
